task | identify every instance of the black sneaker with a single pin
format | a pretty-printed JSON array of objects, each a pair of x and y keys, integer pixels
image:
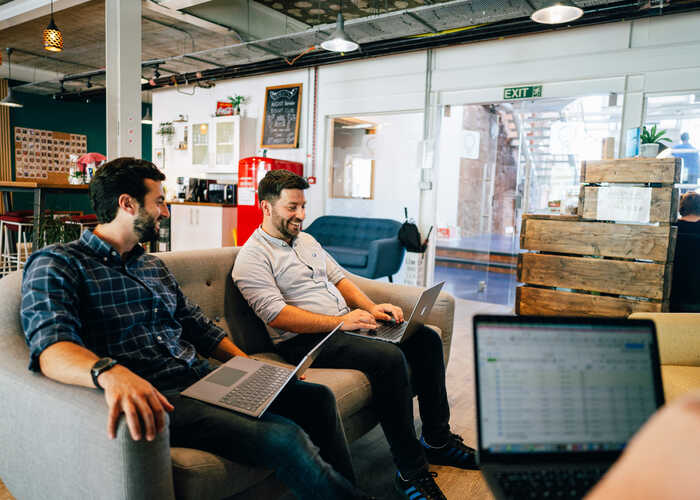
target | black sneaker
[
  {"x": 454, "y": 453},
  {"x": 419, "y": 486}
]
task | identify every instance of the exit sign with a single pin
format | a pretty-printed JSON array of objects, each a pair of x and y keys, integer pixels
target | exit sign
[{"x": 522, "y": 92}]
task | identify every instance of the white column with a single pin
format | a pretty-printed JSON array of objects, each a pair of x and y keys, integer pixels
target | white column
[
  {"x": 123, "y": 66},
  {"x": 632, "y": 109}
]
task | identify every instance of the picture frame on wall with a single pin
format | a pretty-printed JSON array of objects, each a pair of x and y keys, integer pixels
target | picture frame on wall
[{"x": 280, "y": 127}]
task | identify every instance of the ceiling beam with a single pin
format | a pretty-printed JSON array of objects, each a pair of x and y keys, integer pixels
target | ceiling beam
[
  {"x": 187, "y": 18},
  {"x": 21, "y": 11},
  {"x": 181, "y": 4}
]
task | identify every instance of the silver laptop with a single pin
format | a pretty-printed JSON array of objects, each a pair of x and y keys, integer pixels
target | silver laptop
[
  {"x": 249, "y": 386},
  {"x": 559, "y": 398},
  {"x": 400, "y": 332}
]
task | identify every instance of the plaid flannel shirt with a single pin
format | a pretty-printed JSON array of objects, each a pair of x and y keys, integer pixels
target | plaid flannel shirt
[{"x": 132, "y": 310}]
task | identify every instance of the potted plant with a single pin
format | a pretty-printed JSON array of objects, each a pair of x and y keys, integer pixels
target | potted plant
[
  {"x": 650, "y": 140},
  {"x": 236, "y": 102}
]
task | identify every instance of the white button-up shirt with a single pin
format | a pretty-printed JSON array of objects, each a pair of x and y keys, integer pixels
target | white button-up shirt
[{"x": 272, "y": 274}]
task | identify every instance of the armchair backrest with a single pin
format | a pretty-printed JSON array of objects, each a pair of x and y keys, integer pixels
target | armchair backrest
[
  {"x": 205, "y": 277},
  {"x": 355, "y": 232}
]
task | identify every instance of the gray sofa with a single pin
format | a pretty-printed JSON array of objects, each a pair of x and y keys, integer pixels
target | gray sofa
[{"x": 53, "y": 437}]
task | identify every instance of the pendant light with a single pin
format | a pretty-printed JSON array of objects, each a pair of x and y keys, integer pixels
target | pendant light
[
  {"x": 53, "y": 39},
  {"x": 339, "y": 41},
  {"x": 147, "y": 119},
  {"x": 557, "y": 12},
  {"x": 10, "y": 100}
]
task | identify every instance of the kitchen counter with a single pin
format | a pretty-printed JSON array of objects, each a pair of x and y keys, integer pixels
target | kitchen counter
[{"x": 200, "y": 204}]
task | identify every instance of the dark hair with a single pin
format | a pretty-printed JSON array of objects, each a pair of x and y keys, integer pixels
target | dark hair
[
  {"x": 275, "y": 181},
  {"x": 690, "y": 204},
  {"x": 117, "y": 177}
]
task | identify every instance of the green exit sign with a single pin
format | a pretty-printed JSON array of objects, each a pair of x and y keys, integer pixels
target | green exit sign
[{"x": 522, "y": 92}]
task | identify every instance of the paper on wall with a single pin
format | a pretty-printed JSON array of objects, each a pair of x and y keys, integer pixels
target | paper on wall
[{"x": 624, "y": 203}]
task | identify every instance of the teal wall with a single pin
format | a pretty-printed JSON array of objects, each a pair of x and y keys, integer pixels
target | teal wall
[{"x": 43, "y": 112}]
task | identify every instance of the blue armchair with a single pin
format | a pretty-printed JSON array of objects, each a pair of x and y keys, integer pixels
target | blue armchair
[{"x": 366, "y": 247}]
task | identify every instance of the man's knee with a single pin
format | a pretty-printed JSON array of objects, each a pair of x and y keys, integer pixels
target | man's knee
[{"x": 284, "y": 440}]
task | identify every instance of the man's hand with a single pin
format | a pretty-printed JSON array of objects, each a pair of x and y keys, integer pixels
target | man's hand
[
  {"x": 387, "y": 312},
  {"x": 357, "y": 319},
  {"x": 138, "y": 400},
  {"x": 660, "y": 461}
]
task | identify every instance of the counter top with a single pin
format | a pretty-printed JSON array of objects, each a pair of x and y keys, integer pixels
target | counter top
[{"x": 200, "y": 204}]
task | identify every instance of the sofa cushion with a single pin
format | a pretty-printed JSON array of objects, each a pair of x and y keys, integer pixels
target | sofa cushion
[
  {"x": 349, "y": 257},
  {"x": 678, "y": 380},
  {"x": 202, "y": 475}
]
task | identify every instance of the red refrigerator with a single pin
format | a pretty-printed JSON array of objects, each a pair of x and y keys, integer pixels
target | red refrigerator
[{"x": 250, "y": 171}]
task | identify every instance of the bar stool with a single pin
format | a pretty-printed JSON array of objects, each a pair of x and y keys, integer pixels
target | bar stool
[
  {"x": 16, "y": 229},
  {"x": 82, "y": 222}
]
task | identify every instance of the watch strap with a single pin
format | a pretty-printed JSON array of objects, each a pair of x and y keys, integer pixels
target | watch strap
[{"x": 101, "y": 366}]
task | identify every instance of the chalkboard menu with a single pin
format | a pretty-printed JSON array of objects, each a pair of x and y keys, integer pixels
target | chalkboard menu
[{"x": 281, "y": 118}]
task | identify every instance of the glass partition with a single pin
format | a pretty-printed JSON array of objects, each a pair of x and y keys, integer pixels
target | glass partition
[{"x": 499, "y": 160}]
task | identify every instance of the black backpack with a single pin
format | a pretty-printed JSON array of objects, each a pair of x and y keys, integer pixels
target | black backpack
[{"x": 409, "y": 236}]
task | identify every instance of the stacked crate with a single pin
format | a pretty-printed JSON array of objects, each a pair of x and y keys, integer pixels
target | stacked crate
[{"x": 585, "y": 265}]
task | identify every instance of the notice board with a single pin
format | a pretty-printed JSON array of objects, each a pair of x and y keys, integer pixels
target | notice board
[
  {"x": 44, "y": 155},
  {"x": 281, "y": 117}
]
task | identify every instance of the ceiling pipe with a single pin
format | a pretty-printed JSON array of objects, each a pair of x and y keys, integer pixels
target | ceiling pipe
[{"x": 623, "y": 11}]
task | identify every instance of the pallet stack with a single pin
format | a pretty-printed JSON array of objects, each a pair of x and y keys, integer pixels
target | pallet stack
[{"x": 616, "y": 256}]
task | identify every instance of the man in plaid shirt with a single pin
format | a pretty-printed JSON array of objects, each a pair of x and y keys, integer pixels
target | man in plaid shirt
[{"x": 100, "y": 312}]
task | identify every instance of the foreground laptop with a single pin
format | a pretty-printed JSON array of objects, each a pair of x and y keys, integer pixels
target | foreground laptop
[
  {"x": 559, "y": 398},
  {"x": 399, "y": 332},
  {"x": 247, "y": 385}
]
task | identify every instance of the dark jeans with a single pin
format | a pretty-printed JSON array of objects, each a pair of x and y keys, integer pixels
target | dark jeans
[
  {"x": 386, "y": 365},
  {"x": 274, "y": 441}
]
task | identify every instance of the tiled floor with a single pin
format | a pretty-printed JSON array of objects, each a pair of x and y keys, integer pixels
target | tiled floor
[{"x": 481, "y": 286}]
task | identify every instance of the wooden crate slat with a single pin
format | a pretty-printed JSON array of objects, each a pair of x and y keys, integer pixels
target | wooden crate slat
[
  {"x": 637, "y": 170},
  {"x": 629, "y": 241},
  {"x": 544, "y": 302},
  {"x": 664, "y": 203},
  {"x": 638, "y": 279}
]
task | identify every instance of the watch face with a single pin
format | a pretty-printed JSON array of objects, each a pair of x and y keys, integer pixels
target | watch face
[{"x": 102, "y": 363}]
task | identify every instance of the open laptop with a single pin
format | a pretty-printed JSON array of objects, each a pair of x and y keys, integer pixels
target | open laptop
[
  {"x": 399, "y": 332},
  {"x": 247, "y": 385},
  {"x": 559, "y": 398}
]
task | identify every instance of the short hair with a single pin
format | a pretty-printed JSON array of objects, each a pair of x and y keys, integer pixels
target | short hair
[
  {"x": 685, "y": 136},
  {"x": 690, "y": 204},
  {"x": 117, "y": 177},
  {"x": 275, "y": 181}
]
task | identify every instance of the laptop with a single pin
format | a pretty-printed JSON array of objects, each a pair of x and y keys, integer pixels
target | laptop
[
  {"x": 399, "y": 332},
  {"x": 559, "y": 398},
  {"x": 249, "y": 386}
]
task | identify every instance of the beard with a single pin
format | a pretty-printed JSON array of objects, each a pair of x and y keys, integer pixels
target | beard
[
  {"x": 145, "y": 226},
  {"x": 283, "y": 226}
]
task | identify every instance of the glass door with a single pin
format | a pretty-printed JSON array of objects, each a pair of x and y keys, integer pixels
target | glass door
[{"x": 500, "y": 160}]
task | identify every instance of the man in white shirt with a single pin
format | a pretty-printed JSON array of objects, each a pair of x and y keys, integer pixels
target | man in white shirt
[{"x": 300, "y": 293}]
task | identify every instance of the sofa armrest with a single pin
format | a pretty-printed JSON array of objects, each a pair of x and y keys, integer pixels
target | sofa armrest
[
  {"x": 56, "y": 445},
  {"x": 384, "y": 257},
  {"x": 405, "y": 296},
  {"x": 679, "y": 336}
]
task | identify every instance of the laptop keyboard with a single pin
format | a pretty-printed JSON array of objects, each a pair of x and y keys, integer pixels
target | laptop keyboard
[
  {"x": 256, "y": 389},
  {"x": 548, "y": 483},
  {"x": 390, "y": 331}
]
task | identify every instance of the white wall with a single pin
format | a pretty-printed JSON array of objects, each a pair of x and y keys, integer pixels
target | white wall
[
  {"x": 200, "y": 107},
  {"x": 631, "y": 58},
  {"x": 396, "y": 171}
]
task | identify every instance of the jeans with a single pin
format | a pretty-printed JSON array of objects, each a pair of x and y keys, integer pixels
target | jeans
[
  {"x": 387, "y": 367},
  {"x": 316, "y": 465}
]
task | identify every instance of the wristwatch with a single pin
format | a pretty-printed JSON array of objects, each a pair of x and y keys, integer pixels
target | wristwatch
[{"x": 101, "y": 366}]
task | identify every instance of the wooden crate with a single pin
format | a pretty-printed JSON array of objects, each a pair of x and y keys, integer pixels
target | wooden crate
[{"x": 594, "y": 265}]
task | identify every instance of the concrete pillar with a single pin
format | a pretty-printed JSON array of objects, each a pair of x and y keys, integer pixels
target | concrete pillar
[{"x": 123, "y": 66}]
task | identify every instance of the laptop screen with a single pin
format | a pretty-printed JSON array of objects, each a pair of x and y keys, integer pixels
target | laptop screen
[{"x": 550, "y": 386}]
